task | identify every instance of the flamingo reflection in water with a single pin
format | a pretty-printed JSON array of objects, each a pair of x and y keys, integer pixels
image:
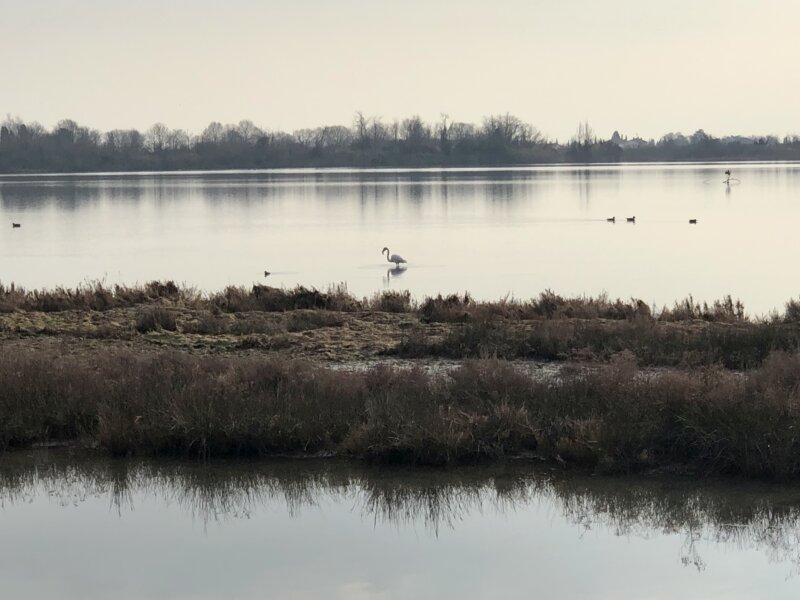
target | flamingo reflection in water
[{"x": 393, "y": 273}]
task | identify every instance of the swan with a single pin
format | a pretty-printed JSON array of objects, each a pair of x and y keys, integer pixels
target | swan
[{"x": 394, "y": 258}]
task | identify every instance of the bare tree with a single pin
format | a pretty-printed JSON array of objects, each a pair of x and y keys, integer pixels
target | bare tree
[
  {"x": 67, "y": 129},
  {"x": 307, "y": 137},
  {"x": 124, "y": 140},
  {"x": 361, "y": 126},
  {"x": 177, "y": 139},
  {"x": 249, "y": 131},
  {"x": 443, "y": 132},
  {"x": 336, "y": 135},
  {"x": 156, "y": 137},
  {"x": 462, "y": 131},
  {"x": 584, "y": 136},
  {"x": 12, "y": 124},
  {"x": 530, "y": 136},
  {"x": 378, "y": 132},
  {"x": 213, "y": 134},
  {"x": 415, "y": 131},
  {"x": 507, "y": 128}
]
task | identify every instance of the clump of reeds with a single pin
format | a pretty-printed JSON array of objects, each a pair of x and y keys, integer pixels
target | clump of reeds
[
  {"x": 547, "y": 306},
  {"x": 720, "y": 311},
  {"x": 792, "y": 312},
  {"x": 392, "y": 302},
  {"x": 206, "y": 323},
  {"x": 272, "y": 299},
  {"x": 154, "y": 319},
  {"x": 615, "y": 417},
  {"x": 304, "y": 320},
  {"x": 92, "y": 295}
]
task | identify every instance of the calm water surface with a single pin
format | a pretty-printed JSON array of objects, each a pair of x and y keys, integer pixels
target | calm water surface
[
  {"x": 311, "y": 529},
  {"x": 492, "y": 232}
]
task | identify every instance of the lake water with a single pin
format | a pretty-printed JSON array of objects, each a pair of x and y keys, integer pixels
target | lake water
[
  {"x": 97, "y": 529},
  {"x": 492, "y": 232}
]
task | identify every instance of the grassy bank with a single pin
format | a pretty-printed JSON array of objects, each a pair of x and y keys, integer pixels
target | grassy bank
[
  {"x": 614, "y": 418},
  {"x": 454, "y": 308},
  {"x": 336, "y": 326}
]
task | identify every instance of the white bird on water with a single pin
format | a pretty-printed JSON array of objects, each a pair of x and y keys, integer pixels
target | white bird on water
[{"x": 394, "y": 258}]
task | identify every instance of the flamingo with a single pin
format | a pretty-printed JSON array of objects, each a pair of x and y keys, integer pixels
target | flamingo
[{"x": 393, "y": 258}]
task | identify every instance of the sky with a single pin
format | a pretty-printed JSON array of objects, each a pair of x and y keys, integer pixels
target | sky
[{"x": 643, "y": 67}]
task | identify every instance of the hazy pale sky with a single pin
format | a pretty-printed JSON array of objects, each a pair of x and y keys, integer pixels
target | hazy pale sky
[{"x": 640, "y": 66}]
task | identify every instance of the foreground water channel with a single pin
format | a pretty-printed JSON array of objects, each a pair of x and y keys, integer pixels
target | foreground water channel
[
  {"x": 99, "y": 528},
  {"x": 492, "y": 232}
]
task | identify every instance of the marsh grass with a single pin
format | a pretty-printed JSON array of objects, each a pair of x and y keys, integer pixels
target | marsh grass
[
  {"x": 392, "y": 302},
  {"x": 305, "y": 320},
  {"x": 270, "y": 299},
  {"x": 206, "y": 323},
  {"x": 454, "y": 308},
  {"x": 614, "y": 418},
  {"x": 155, "y": 318},
  {"x": 720, "y": 311},
  {"x": 548, "y": 305},
  {"x": 549, "y": 327},
  {"x": 655, "y": 343},
  {"x": 92, "y": 295}
]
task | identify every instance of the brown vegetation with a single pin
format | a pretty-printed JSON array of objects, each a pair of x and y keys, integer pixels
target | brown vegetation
[
  {"x": 614, "y": 417},
  {"x": 334, "y": 325},
  {"x": 655, "y": 343},
  {"x": 454, "y": 308}
]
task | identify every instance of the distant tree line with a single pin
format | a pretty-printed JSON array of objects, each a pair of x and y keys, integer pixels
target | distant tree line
[{"x": 369, "y": 142}]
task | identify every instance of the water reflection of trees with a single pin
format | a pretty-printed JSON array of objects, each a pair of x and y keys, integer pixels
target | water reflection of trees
[
  {"x": 752, "y": 516},
  {"x": 72, "y": 193}
]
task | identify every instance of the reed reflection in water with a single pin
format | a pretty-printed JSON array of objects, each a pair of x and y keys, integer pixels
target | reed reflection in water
[{"x": 347, "y": 525}]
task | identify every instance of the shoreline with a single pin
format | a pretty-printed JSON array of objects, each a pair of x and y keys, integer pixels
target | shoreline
[{"x": 523, "y": 166}]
